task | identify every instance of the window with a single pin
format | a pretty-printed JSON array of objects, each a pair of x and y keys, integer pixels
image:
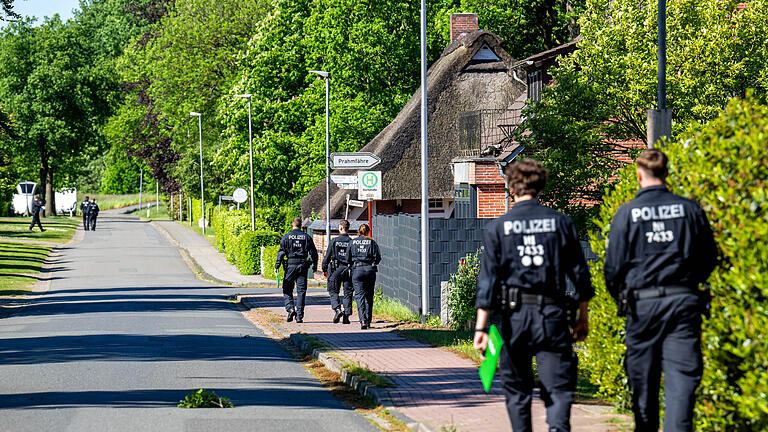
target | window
[
  {"x": 534, "y": 85},
  {"x": 436, "y": 204}
]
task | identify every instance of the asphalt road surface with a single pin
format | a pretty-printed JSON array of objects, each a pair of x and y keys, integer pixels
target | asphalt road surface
[{"x": 127, "y": 330}]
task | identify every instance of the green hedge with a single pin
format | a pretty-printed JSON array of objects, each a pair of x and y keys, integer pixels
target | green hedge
[
  {"x": 724, "y": 166},
  {"x": 270, "y": 257},
  {"x": 462, "y": 293},
  {"x": 249, "y": 245}
]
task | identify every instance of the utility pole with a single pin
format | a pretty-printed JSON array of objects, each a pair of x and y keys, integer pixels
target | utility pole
[
  {"x": 327, "y": 77},
  {"x": 660, "y": 120},
  {"x": 424, "y": 173}
]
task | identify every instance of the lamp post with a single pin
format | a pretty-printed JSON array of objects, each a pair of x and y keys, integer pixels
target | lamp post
[
  {"x": 660, "y": 120},
  {"x": 424, "y": 173},
  {"x": 250, "y": 147},
  {"x": 327, "y": 77},
  {"x": 202, "y": 193}
]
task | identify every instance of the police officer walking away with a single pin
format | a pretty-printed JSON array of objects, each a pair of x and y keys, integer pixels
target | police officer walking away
[
  {"x": 295, "y": 247},
  {"x": 335, "y": 267},
  {"x": 84, "y": 210},
  {"x": 364, "y": 257},
  {"x": 660, "y": 248},
  {"x": 93, "y": 213},
  {"x": 529, "y": 252},
  {"x": 37, "y": 205}
]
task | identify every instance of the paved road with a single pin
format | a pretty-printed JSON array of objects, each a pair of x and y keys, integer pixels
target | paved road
[{"x": 127, "y": 330}]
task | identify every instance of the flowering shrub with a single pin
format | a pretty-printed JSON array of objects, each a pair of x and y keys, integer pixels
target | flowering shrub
[{"x": 462, "y": 292}]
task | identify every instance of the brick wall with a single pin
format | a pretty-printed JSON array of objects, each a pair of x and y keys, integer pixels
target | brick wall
[
  {"x": 486, "y": 173},
  {"x": 490, "y": 200},
  {"x": 463, "y": 23}
]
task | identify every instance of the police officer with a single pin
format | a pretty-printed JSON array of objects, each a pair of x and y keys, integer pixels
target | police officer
[
  {"x": 37, "y": 205},
  {"x": 660, "y": 248},
  {"x": 84, "y": 210},
  {"x": 529, "y": 252},
  {"x": 364, "y": 257},
  {"x": 335, "y": 267},
  {"x": 93, "y": 213},
  {"x": 295, "y": 247}
]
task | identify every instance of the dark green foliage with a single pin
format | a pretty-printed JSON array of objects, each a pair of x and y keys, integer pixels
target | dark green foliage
[
  {"x": 463, "y": 292},
  {"x": 723, "y": 165},
  {"x": 249, "y": 245},
  {"x": 270, "y": 257},
  {"x": 204, "y": 399}
]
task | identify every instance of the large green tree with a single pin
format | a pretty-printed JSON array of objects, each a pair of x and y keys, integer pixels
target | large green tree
[{"x": 7, "y": 11}]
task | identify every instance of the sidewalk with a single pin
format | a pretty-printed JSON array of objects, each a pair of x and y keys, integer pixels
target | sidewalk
[{"x": 432, "y": 386}]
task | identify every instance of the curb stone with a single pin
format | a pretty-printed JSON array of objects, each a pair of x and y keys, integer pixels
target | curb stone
[{"x": 377, "y": 395}]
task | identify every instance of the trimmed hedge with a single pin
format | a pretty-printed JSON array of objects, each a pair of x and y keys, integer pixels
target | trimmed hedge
[
  {"x": 724, "y": 166},
  {"x": 249, "y": 245},
  {"x": 270, "y": 257}
]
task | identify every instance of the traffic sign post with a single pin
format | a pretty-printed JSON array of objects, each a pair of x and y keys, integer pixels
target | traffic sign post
[{"x": 357, "y": 160}]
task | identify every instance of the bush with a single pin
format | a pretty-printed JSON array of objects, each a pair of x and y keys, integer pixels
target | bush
[
  {"x": 249, "y": 245},
  {"x": 462, "y": 292},
  {"x": 270, "y": 257},
  {"x": 723, "y": 166},
  {"x": 204, "y": 399}
]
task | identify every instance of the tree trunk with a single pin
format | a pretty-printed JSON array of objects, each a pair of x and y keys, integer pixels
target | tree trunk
[
  {"x": 50, "y": 203},
  {"x": 42, "y": 188}
]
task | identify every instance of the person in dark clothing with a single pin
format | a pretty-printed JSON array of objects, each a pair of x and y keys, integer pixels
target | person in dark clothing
[
  {"x": 335, "y": 267},
  {"x": 295, "y": 248},
  {"x": 84, "y": 211},
  {"x": 659, "y": 250},
  {"x": 529, "y": 253},
  {"x": 37, "y": 205},
  {"x": 93, "y": 213},
  {"x": 364, "y": 257}
]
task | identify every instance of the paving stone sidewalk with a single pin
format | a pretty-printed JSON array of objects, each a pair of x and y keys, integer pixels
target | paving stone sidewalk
[{"x": 432, "y": 386}]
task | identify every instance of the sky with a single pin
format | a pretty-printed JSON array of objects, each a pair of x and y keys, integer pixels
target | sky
[{"x": 42, "y": 8}]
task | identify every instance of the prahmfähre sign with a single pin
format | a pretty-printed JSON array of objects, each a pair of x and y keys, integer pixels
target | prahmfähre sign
[{"x": 358, "y": 160}]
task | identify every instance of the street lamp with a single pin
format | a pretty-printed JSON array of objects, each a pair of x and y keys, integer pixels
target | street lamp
[
  {"x": 250, "y": 146},
  {"x": 424, "y": 173},
  {"x": 202, "y": 194},
  {"x": 327, "y": 77}
]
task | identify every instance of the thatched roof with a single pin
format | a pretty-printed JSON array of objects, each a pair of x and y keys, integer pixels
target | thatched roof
[{"x": 455, "y": 83}]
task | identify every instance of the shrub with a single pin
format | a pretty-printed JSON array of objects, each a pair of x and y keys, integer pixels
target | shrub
[
  {"x": 724, "y": 166},
  {"x": 249, "y": 245},
  {"x": 462, "y": 292},
  {"x": 270, "y": 257},
  {"x": 204, "y": 399}
]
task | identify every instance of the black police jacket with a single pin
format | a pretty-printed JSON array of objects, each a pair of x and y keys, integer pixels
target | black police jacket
[
  {"x": 37, "y": 206},
  {"x": 532, "y": 248},
  {"x": 658, "y": 239},
  {"x": 363, "y": 250},
  {"x": 295, "y": 246},
  {"x": 84, "y": 206},
  {"x": 337, "y": 250},
  {"x": 93, "y": 209}
]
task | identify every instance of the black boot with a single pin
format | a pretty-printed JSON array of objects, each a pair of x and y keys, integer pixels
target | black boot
[
  {"x": 337, "y": 316},
  {"x": 291, "y": 316},
  {"x": 345, "y": 319}
]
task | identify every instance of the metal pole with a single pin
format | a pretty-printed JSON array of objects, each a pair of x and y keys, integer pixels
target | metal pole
[
  {"x": 189, "y": 209},
  {"x": 202, "y": 190},
  {"x": 157, "y": 195},
  {"x": 424, "y": 174},
  {"x": 172, "y": 215},
  {"x": 250, "y": 145},
  {"x": 327, "y": 161},
  {"x": 662, "y": 56},
  {"x": 370, "y": 218},
  {"x": 141, "y": 184}
]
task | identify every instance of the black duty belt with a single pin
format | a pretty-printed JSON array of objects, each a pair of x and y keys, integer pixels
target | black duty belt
[
  {"x": 296, "y": 260},
  {"x": 657, "y": 292},
  {"x": 361, "y": 264},
  {"x": 536, "y": 299}
]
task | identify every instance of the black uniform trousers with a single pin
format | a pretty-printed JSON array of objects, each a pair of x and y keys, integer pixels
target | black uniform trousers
[
  {"x": 664, "y": 334},
  {"x": 86, "y": 223},
  {"x": 295, "y": 275},
  {"x": 36, "y": 220},
  {"x": 364, "y": 281},
  {"x": 91, "y": 222},
  {"x": 540, "y": 331},
  {"x": 335, "y": 280}
]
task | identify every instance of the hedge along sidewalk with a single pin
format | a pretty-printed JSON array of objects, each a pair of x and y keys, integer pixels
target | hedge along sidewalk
[
  {"x": 434, "y": 387},
  {"x": 212, "y": 264}
]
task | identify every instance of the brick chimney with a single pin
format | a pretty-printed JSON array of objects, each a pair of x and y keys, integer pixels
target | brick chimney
[{"x": 463, "y": 23}]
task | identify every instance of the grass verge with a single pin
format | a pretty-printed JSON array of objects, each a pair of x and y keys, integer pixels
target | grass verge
[
  {"x": 155, "y": 213},
  {"x": 210, "y": 233},
  {"x": 368, "y": 375},
  {"x": 58, "y": 229},
  {"x": 113, "y": 201},
  {"x": 18, "y": 265}
]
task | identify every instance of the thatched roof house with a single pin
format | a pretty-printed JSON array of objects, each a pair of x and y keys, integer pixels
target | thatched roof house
[{"x": 473, "y": 74}]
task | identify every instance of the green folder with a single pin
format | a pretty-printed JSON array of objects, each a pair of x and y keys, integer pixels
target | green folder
[{"x": 492, "y": 353}]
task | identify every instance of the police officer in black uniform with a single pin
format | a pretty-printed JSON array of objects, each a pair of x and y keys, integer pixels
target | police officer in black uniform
[
  {"x": 93, "y": 213},
  {"x": 528, "y": 254},
  {"x": 660, "y": 248},
  {"x": 84, "y": 211},
  {"x": 295, "y": 247},
  {"x": 335, "y": 267},
  {"x": 364, "y": 257},
  {"x": 37, "y": 205}
]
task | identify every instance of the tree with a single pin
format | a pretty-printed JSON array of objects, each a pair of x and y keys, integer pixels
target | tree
[
  {"x": 715, "y": 51},
  {"x": 7, "y": 9}
]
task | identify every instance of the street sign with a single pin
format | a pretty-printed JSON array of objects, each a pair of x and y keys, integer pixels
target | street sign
[
  {"x": 240, "y": 195},
  {"x": 227, "y": 197},
  {"x": 369, "y": 185},
  {"x": 356, "y": 203},
  {"x": 358, "y": 160},
  {"x": 347, "y": 185},
  {"x": 341, "y": 179}
]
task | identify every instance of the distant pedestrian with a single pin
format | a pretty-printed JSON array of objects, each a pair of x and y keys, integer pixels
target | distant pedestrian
[
  {"x": 336, "y": 268},
  {"x": 364, "y": 257},
  {"x": 660, "y": 248},
  {"x": 37, "y": 205},
  {"x": 529, "y": 252},
  {"x": 93, "y": 213},
  {"x": 84, "y": 211},
  {"x": 296, "y": 252}
]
